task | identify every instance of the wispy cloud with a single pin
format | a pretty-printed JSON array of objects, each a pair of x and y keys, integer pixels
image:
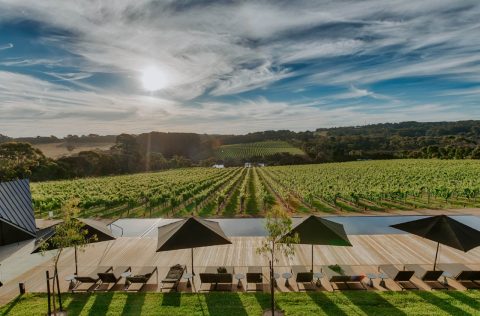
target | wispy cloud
[
  {"x": 248, "y": 79},
  {"x": 278, "y": 58},
  {"x": 6, "y": 46},
  {"x": 354, "y": 93}
]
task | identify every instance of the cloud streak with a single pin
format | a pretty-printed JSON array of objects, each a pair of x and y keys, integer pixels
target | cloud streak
[
  {"x": 6, "y": 46},
  {"x": 227, "y": 62}
]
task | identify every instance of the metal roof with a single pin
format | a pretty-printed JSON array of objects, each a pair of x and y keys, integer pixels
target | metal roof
[{"x": 16, "y": 207}]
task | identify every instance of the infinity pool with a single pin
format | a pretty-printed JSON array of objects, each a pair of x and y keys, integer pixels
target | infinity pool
[{"x": 354, "y": 225}]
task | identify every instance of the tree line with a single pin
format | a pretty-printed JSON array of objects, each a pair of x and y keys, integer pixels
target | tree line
[{"x": 158, "y": 151}]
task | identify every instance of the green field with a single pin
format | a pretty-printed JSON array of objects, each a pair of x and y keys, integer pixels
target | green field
[
  {"x": 259, "y": 149},
  {"x": 243, "y": 304},
  {"x": 335, "y": 188}
]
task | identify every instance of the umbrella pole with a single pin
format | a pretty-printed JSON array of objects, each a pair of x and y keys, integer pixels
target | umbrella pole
[
  {"x": 436, "y": 255},
  {"x": 76, "y": 262},
  {"x": 193, "y": 273},
  {"x": 312, "y": 258}
]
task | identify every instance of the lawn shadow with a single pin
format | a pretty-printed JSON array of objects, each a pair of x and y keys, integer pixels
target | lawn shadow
[
  {"x": 220, "y": 304},
  {"x": 326, "y": 304},
  {"x": 101, "y": 304},
  {"x": 465, "y": 299},
  {"x": 76, "y": 304},
  {"x": 133, "y": 304},
  {"x": 171, "y": 299},
  {"x": 12, "y": 304},
  {"x": 440, "y": 303},
  {"x": 370, "y": 301},
  {"x": 200, "y": 303},
  {"x": 263, "y": 300}
]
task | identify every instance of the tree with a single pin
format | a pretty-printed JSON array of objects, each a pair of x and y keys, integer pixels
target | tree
[
  {"x": 155, "y": 161},
  {"x": 126, "y": 152},
  {"x": 68, "y": 233},
  {"x": 278, "y": 225},
  {"x": 475, "y": 153},
  {"x": 18, "y": 160}
]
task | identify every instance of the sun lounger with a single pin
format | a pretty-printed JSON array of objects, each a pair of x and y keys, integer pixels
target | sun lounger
[
  {"x": 111, "y": 277},
  {"x": 255, "y": 276},
  {"x": 429, "y": 277},
  {"x": 216, "y": 276},
  {"x": 173, "y": 277},
  {"x": 90, "y": 279},
  {"x": 402, "y": 278},
  {"x": 467, "y": 277},
  {"x": 304, "y": 277},
  {"x": 345, "y": 279},
  {"x": 141, "y": 277}
]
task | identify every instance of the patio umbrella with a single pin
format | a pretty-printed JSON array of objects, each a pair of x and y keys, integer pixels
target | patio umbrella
[
  {"x": 315, "y": 230},
  {"x": 444, "y": 230},
  {"x": 190, "y": 233},
  {"x": 93, "y": 227}
]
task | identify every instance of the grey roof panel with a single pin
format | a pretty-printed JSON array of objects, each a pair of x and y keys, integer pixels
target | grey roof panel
[{"x": 16, "y": 205}]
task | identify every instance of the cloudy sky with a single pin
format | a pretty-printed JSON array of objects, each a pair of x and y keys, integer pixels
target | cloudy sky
[{"x": 79, "y": 67}]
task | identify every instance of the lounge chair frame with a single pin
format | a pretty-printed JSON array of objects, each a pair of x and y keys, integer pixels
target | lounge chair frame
[
  {"x": 467, "y": 277},
  {"x": 173, "y": 281},
  {"x": 349, "y": 281},
  {"x": 429, "y": 277},
  {"x": 211, "y": 276},
  {"x": 112, "y": 277},
  {"x": 302, "y": 276},
  {"x": 255, "y": 276},
  {"x": 403, "y": 278},
  {"x": 141, "y": 278},
  {"x": 91, "y": 278}
]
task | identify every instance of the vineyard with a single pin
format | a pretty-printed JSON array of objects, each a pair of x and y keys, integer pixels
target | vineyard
[
  {"x": 259, "y": 149},
  {"x": 329, "y": 188}
]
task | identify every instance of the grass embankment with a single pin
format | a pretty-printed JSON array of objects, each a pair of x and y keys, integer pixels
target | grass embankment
[{"x": 318, "y": 303}]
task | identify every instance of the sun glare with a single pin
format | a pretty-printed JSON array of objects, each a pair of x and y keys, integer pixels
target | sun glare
[{"x": 153, "y": 79}]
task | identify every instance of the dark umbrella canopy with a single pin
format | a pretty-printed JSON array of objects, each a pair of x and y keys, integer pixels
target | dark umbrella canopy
[
  {"x": 191, "y": 233},
  {"x": 314, "y": 230},
  {"x": 444, "y": 230},
  {"x": 93, "y": 228}
]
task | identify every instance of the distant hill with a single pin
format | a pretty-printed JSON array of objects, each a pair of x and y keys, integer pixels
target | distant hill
[
  {"x": 258, "y": 149},
  {"x": 93, "y": 155},
  {"x": 4, "y": 138},
  {"x": 63, "y": 149},
  {"x": 409, "y": 129},
  {"x": 189, "y": 145},
  {"x": 54, "y": 147}
]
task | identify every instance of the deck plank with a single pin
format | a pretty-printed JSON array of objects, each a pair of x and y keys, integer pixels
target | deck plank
[{"x": 367, "y": 253}]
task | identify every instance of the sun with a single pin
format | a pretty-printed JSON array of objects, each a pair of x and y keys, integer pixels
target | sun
[{"x": 153, "y": 79}]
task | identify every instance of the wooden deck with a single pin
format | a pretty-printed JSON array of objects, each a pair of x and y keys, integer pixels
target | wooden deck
[{"x": 367, "y": 253}]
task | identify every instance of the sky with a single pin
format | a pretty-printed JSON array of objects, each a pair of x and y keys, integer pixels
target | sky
[{"x": 232, "y": 67}]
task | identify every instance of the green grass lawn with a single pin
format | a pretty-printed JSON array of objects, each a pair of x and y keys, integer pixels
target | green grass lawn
[{"x": 231, "y": 304}]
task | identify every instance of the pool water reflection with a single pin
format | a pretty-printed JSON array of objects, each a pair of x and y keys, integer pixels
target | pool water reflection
[{"x": 354, "y": 225}]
